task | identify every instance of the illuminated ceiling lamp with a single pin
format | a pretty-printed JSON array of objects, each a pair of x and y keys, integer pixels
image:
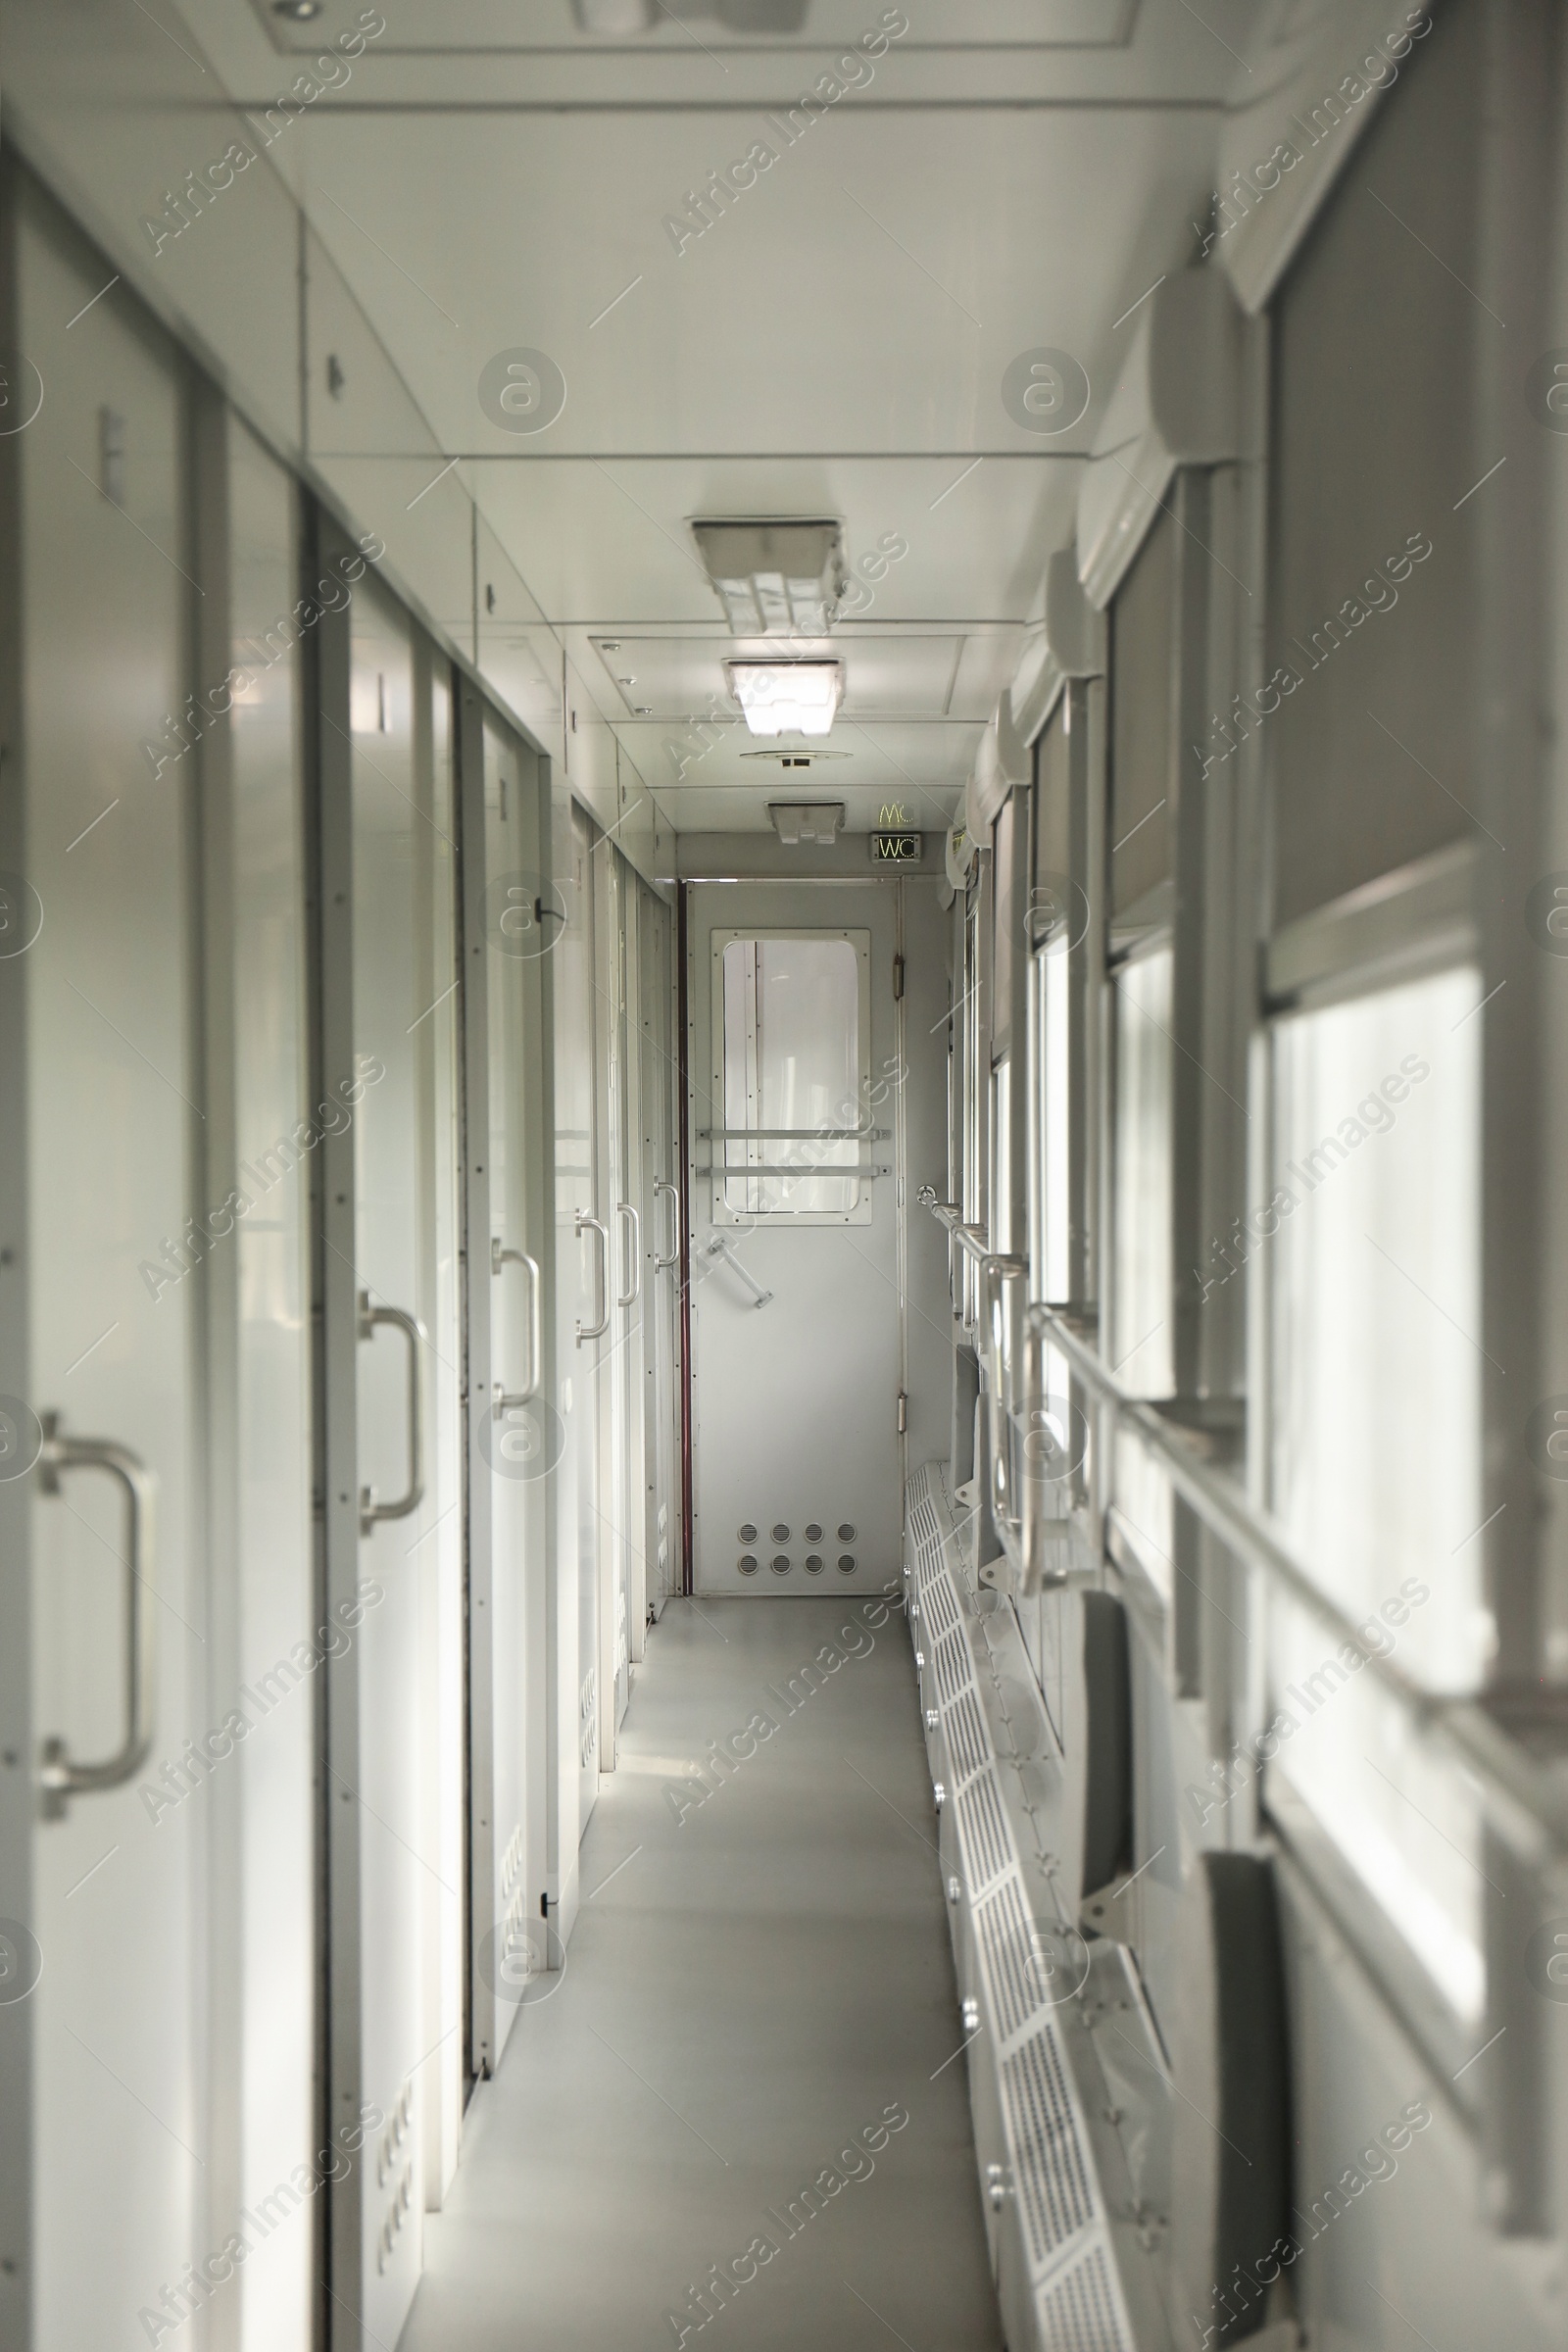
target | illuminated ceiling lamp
[
  {"x": 787, "y": 697},
  {"x": 776, "y": 577}
]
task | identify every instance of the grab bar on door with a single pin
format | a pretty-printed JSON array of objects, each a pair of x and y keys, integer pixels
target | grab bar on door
[
  {"x": 662, "y": 1265},
  {"x": 413, "y": 1330},
  {"x": 597, "y": 1331},
  {"x": 503, "y": 1400},
  {"x": 720, "y": 1247},
  {"x": 61, "y": 1776},
  {"x": 628, "y": 1209}
]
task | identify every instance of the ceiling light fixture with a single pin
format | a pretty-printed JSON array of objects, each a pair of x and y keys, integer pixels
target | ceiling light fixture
[
  {"x": 797, "y": 821},
  {"x": 776, "y": 577},
  {"x": 787, "y": 697}
]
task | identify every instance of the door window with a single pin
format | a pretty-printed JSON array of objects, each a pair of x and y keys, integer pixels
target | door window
[{"x": 796, "y": 1105}]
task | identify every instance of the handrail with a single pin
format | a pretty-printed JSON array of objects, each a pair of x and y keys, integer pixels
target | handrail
[
  {"x": 1522, "y": 1802},
  {"x": 970, "y": 1238},
  {"x": 717, "y": 1247},
  {"x": 504, "y": 1400},
  {"x": 1524, "y": 1808},
  {"x": 62, "y": 1775},
  {"x": 795, "y": 1135},
  {"x": 587, "y": 1224},
  {"x": 662, "y": 1265},
  {"x": 396, "y": 1318},
  {"x": 630, "y": 1297}
]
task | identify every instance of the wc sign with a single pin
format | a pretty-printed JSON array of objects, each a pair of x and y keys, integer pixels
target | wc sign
[{"x": 892, "y": 843}]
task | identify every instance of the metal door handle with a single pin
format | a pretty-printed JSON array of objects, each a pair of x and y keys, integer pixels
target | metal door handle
[
  {"x": 662, "y": 1265},
  {"x": 413, "y": 1330},
  {"x": 499, "y": 1258},
  {"x": 61, "y": 1776},
  {"x": 720, "y": 1247},
  {"x": 628, "y": 1209},
  {"x": 597, "y": 1331}
]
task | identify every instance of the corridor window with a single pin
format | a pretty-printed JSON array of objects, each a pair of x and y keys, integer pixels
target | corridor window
[
  {"x": 1141, "y": 1351},
  {"x": 796, "y": 1091},
  {"x": 1374, "y": 1274}
]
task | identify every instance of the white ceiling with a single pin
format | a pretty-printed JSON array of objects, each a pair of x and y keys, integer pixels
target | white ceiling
[{"x": 1013, "y": 175}]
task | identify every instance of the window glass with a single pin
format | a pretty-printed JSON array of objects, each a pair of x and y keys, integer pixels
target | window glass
[
  {"x": 1051, "y": 1046},
  {"x": 1143, "y": 623},
  {"x": 1141, "y": 1351},
  {"x": 1373, "y": 1231},
  {"x": 792, "y": 1068},
  {"x": 1141, "y": 1331}
]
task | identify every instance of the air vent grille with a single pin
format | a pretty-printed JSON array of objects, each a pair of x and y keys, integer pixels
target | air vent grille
[
  {"x": 1053, "y": 2177},
  {"x": 941, "y": 1604},
  {"x": 1081, "y": 2311},
  {"x": 1077, "y": 2291},
  {"x": 924, "y": 1529},
  {"x": 966, "y": 1737},
  {"x": 952, "y": 1669},
  {"x": 983, "y": 1831},
  {"x": 1002, "y": 1929}
]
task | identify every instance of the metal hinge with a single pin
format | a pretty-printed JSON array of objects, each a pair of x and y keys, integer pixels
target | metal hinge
[
  {"x": 898, "y": 978},
  {"x": 904, "y": 1412}
]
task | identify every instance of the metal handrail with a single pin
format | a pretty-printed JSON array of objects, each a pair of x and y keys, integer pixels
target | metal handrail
[
  {"x": 504, "y": 1400},
  {"x": 795, "y": 1135},
  {"x": 662, "y": 1265},
  {"x": 594, "y": 1225},
  {"x": 396, "y": 1318},
  {"x": 1524, "y": 1808},
  {"x": 1523, "y": 1804},
  {"x": 630, "y": 1297},
  {"x": 62, "y": 1775},
  {"x": 717, "y": 1247}
]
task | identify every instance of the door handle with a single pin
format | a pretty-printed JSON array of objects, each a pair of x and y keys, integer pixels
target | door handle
[
  {"x": 597, "y": 1331},
  {"x": 499, "y": 1258},
  {"x": 663, "y": 1264},
  {"x": 62, "y": 1775},
  {"x": 413, "y": 1330},
  {"x": 628, "y": 1209}
]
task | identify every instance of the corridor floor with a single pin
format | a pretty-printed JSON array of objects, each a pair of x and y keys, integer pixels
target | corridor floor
[{"x": 756, "y": 1994}]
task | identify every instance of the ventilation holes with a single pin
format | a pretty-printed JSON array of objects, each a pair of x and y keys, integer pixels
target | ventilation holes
[
  {"x": 814, "y": 1534},
  {"x": 847, "y": 1562},
  {"x": 846, "y": 1532},
  {"x": 747, "y": 1534},
  {"x": 780, "y": 1563},
  {"x": 746, "y": 1563},
  {"x": 781, "y": 1534},
  {"x": 814, "y": 1563}
]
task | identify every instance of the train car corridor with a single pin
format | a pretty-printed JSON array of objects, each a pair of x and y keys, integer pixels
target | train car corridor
[
  {"x": 742, "y": 2104},
  {"x": 783, "y": 1243}
]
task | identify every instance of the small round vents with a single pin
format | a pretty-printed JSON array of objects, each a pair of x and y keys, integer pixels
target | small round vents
[
  {"x": 781, "y": 1534},
  {"x": 746, "y": 1563},
  {"x": 814, "y": 1563},
  {"x": 847, "y": 1562},
  {"x": 780, "y": 1563},
  {"x": 747, "y": 1534},
  {"x": 846, "y": 1532},
  {"x": 814, "y": 1534}
]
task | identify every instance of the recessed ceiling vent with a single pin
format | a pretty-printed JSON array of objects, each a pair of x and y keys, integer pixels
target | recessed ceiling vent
[
  {"x": 612, "y": 19},
  {"x": 795, "y": 821},
  {"x": 776, "y": 576}
]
